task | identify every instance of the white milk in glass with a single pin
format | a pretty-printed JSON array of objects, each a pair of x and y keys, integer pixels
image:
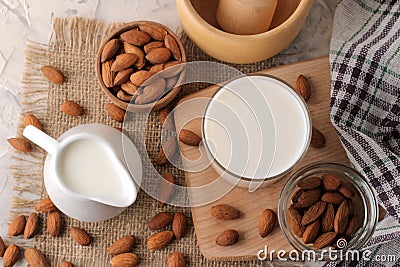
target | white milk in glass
[{"x": 256, "y": 127}]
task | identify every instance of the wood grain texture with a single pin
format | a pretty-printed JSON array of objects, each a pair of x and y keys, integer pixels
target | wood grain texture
[{"x": 251, "y": 205}]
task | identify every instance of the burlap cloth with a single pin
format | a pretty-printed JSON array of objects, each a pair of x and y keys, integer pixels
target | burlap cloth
[{"x": 72, "y": 49}]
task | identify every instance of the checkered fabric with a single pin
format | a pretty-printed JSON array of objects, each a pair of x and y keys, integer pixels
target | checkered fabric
[{"x": 365, "y": 108}]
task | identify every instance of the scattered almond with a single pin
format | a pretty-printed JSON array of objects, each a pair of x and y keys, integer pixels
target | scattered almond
[
  {"x": 20, "y": 144},
  {"x": 66, "y": 264},
  {"x": 176, "y": 259},
  {"x": 53, "y": 74},
  {"x": 294, "y": 221},
  {"x": 135, "y": 37},
  {"x": 123, "y": 61},
  {"x": 189, "y": 138},
  {"x": 160, "y": 220},
  {"x": 156, "y": 32},
  {"x": 2, "y": 247},
  {"x": 35, "y": 258},
  {"x": 341, "y": 217},
  {"x": 45, "y": 205},
  {"x": 31, "y": 226},
  {"x": 159, "y": 55},
  {"x": 165, "y": 119},
  {"x": 313, "y": 213},
  {"x": 125, "y": 260},
  {"x": 17, "y": 226},
  {"x": 332, "y": 197},
  {"x": 167, "y": 188},
  {"x": 156, "y": 44},
  {"x": 115, "y": 112},
  {"x": 324, "y": 240},
  {"x": 159, "y": 240},
  {"x": 266, "y": 222},
  {"x": 31, "y": 119},
  {"x": 179, "y": 225},
  {"x": 303, "y": 88},
  {"x": 311, "y": 232},
  {"x": 80, "y": 236},
  {"x": 122, "y": 245},
  {"x": 54, "y": 223},
  {"x": 331, "y": 182},
  {"x": 310, "y": 183},
  {"x": 328, "y": 218},
  {"x": 224, "y": 212},
  {"x": 11, "y": 255},
  {"x": 317, "y": 138},
  {"x": 71, "y": 108},
  {"x": 110, "y": 49},
  {"x": 227, "y": 238},
  {"x": 167, "y": 151}
]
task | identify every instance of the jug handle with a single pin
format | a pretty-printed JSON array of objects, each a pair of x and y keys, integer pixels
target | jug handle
[{"x": 41, "y": 139}]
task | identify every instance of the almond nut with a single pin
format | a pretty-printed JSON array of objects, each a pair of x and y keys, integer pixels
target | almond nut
[
  {"x": 294, "y": 221},
  {"x": 20, "y": 144},
  {"x": 189, "y": 138},
  {"x": 156, "y": 32},
  {"x": 227, "y": 238},
  {"x": 171, "y": 44},
  {"x": 17, "y": 226},
  {"x": 346, "y": 191},
  {"x": 123, "y": 61},
  {"x": 311, "y": 232},
  {"x": 31, "y": 119},
  {"x": 31, "y": 226},
  {"x": 224, "y": 212},
  {"x": 151, "y": 92},
  {"x": 129, "y": 88},
  {"x": 310, "y": 183},
  {"x": 158, "y": 55},
  {"x": 115, "y": 112},
  {"x": 179, "y": 225},
  {"x": 135, "y": 37},
  {"x": 341, "y": 218},
  {"x": 160, "y": 220},
  {"x": 328, "y": 218},
  {"x": 156, "y": 44},
  {"x": 45, "y": 205},
  {"x": 11, "y": 255},
  {"x": 317, "y": 138},
  {"x": 266, "y": 222},
  {"x": 165, "y": 119},
  {"x": 123, "y": 76},
  {"x": 107, "y": 74},
  {"x": 125, "y": 260},
  {"x": 54, "y": 223},
  {"x": 122, "y": 245},
  {"x": 296, "y": 195},
  {"x": 35, "y": 258},
  {"x": 167, "y": 188},
  {"x": 156, "y": 68},
  {"x": 80, "y": 236},
  {"x": 325, "y": 240},
  {"x": 53, "y": 74},
  {"x": 309, "y": 197},
  {"x": 303, "y": 87},
  {"x": 139, "y": 77},
  {"x": 331, "y": 182},
  {"x": 110, "y": 49},
  {"x": 159, "y": 240},
  {"x": 332, "y": 197},
  {"x": 71, "y": 108},
  {"x": 167, "y": 151},
  {"x": 313, "y": 213},
  {"x": 124, "y": 96},
  {"x": 132, "y": 49},
  {"x": 176, "y": 259},
  {"x": 66, "y": 264}
]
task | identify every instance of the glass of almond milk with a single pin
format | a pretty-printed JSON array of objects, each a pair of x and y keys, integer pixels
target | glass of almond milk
[{"x": 255, "y": 129}]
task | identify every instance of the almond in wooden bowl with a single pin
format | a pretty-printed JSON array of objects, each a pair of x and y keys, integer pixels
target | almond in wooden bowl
[
  {"x": 128, "y": 62},
  {"x": 327, "y": 205}
]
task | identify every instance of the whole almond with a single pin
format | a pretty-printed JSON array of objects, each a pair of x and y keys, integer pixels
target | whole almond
[
  {"x": 151, "y": 92},
  {"x": 132, "y": 49},
  {"x": 331, "y": 182},
  {"x": 2, "y": 247},
  {"x": 107, "y": 74},
  {"x": 31, "y": 119},
  {"x": 303, "y": 88},
  {"x": 20, "y": 144},
  {"x": 35, "y": 258},
  {"x": 294, "y": 221},
  {"x": 332, "y": 197},
  {"x": 122, "y": 245},
  {"x": 31, "y": 226},
  {"x": 80, "y": 236},
  {"x": 158, "y": 55},
  {"x": 66, "y": 264},
  {"x": 382, "y": 213},
  {"x": 351, "y": 227},
  {"x": 123, "y": 61},
  {"x": 125, "y": 260},
  {"x": 124, "y": 96},
  {"x": 156, "y": 32},
  {"x": 313, "y": 213},
  {"x": 115, "y": 112},
  {"x": 45, "y": 205},
  {"x": 160, "y": 220},
  {"x": 328, "y": 218},
  {"x": 129, "y": 88},
  {"x": 176, "y": 259},
  {"x": 266, "y": 222},
  {"x": 110, "y": 49},
  {"x": 165, "y": 119},
  {"x": 325, "y": 240},
  {"x": 71, "y": 108},
  {"x": 53, "y": 74},
  {"x": 139, "y": 77},
  {"x": 156, "y": 68},
  {"x": 311, "y": 232},
  {"x": 167, "y": 151},
  {"x": 54, "y": 223},
  {"x": 317, "y": 138},
  {"x": 17, "y": 226},
  {"x": 11, "y": 255},
  {"x": 310, "y": 183},
  {"x": 122, "y": 76},
  {"x": 189, "y": 138},
  {"x": 296, "y": 195},
  {"x": 171, "y": 44},
  {"x": 346, "y": 191},
  {"x": 167, "y": 189},
  {"x": 341, "y": 218},
  {"x": 309, "y": 197},
  {"x": 227, "y": 238},
  {"x": 156, "y": 44},
  {"x": 179, "y": 225},
  {"x": 224, "y": 212},
  {"x": 135, "y": 37},
  {"x": 159, "y": 240}
]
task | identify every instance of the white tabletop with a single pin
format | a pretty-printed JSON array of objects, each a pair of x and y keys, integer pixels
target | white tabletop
[{"x": 21, "y": 20}]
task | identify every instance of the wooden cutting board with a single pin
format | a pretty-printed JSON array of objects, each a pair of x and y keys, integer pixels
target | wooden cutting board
[{"x": 251, "y": 205}]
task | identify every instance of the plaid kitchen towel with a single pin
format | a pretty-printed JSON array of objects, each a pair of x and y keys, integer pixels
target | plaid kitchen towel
[{"x": 365, "y": 108}]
